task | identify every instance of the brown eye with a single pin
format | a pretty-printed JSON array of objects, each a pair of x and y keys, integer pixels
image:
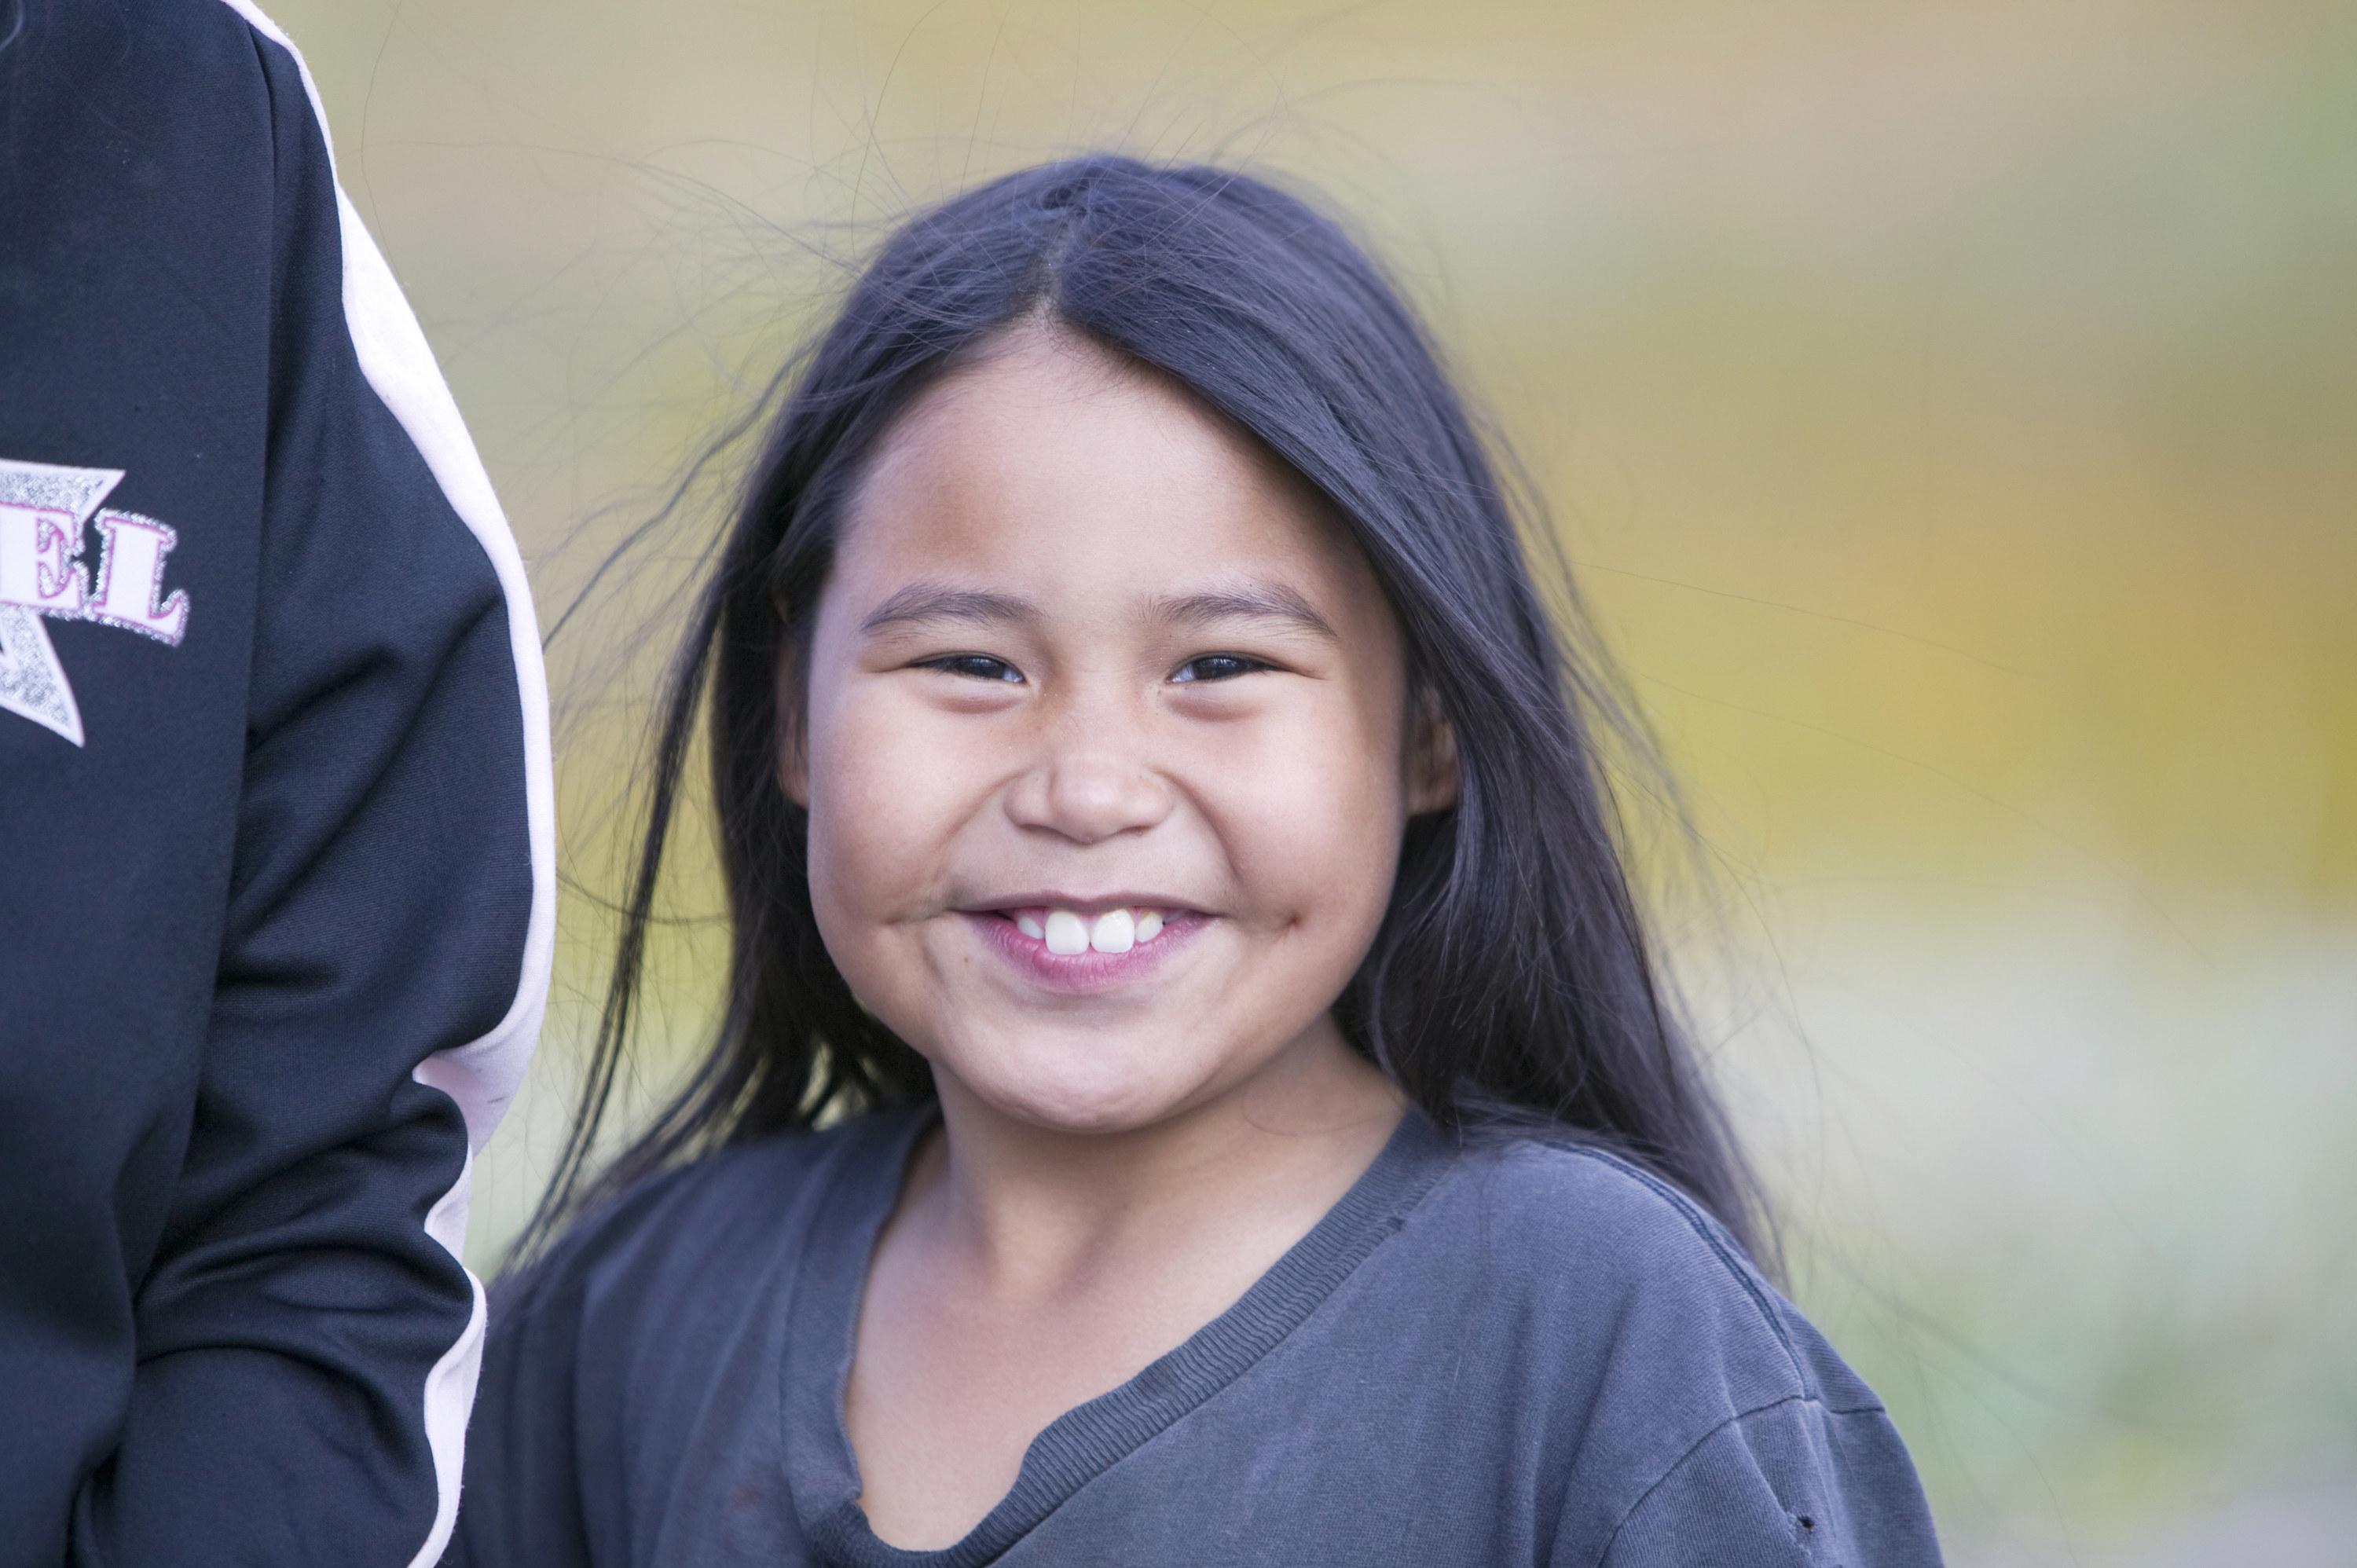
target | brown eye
[
  {"x": 1218, "y": 667},
  {"x": 976, "y": 667}
]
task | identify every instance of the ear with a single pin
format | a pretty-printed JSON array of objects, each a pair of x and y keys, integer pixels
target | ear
[
  {"x": 793, "y": 725},
  {"x": 1431, "y": 757}
]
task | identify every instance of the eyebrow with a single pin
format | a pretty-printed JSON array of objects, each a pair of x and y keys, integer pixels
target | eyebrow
[
  {"x": 1251, "y": 601},
  {"x": 923, "y": 603}
]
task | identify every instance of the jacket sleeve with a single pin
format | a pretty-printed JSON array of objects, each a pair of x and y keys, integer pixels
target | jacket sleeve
[{"x": 307, "y": 1339}]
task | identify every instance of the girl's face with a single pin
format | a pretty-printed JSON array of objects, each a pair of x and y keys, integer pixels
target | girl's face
[{"x": 1103, "y": 738}]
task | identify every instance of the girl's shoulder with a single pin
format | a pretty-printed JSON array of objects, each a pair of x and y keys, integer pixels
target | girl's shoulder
[
  {"x": 1577, "y": 1235},
  {"x": 1705, "y": 1418},
  {"x": 714, "y": 1228},
  {"x": 603, "y": 1357}
]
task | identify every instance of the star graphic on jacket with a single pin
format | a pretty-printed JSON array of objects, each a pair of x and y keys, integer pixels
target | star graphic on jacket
[{"x": 32, "y": 682}]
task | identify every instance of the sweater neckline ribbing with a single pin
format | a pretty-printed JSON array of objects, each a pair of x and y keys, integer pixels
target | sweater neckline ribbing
[{"x": 822, "y": 1471}]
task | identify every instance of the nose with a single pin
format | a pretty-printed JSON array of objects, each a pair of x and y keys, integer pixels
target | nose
[{"x": 1087, "y": 794}]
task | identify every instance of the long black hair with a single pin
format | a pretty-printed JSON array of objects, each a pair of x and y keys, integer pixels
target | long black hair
[{"x": 1510, "y": 983}]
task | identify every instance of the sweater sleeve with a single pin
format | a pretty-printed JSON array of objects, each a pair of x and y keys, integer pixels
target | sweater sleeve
[
  {"x": 1792, "y": 1486},
  {"x": 307, "y": 1337}
]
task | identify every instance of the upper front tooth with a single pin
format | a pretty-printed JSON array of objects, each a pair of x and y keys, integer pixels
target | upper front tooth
[
  {"x": 1067, "y": 932},
  {"x": 1115, "y": 931},
  {"x": 1149, "y": 925},
  {"x": 1028, "y": 924}
]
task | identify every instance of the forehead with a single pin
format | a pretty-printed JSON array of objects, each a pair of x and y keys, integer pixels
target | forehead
[{"x": 1054, "y": 469}]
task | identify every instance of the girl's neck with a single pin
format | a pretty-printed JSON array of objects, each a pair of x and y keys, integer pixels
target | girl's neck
[
  {"x": 1027, "y": 1270},
  {"x": 1026, "y": 1211}
]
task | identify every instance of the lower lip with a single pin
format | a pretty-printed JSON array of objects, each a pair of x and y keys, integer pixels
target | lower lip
[{"x": 1084, "y": 973}]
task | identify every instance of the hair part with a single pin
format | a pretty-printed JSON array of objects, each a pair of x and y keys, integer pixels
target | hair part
[{"x": 1511, "y": 985}]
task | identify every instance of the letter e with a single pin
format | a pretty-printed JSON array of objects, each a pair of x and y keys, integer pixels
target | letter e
[{"x": 36, "y": 568}]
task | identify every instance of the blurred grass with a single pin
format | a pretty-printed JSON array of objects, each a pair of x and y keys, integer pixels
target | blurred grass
[{"x": 1950, "y": 405}]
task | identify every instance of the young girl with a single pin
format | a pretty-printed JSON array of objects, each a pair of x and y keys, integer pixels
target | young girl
[{"x": 1166, "y": 857}]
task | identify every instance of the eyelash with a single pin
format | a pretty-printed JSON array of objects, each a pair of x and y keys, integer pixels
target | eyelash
[
  {"x": 1244, "y": 665},
  {"x": 983, "y": 667},
  {"x": 963, "y": 664}
]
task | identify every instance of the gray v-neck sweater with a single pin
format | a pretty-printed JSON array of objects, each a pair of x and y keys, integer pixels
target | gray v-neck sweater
[{"x": 1516, "y": 1353}]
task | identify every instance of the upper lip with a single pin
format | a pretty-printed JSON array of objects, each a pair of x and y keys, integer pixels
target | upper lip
[{"x": 1092, "y": 904}]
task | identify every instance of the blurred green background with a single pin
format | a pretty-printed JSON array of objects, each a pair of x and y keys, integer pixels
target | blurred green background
[{"x": 1951, "y": 407}]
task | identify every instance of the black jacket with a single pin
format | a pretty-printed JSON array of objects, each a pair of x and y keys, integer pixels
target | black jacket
[{"x": 275, "y": 886}]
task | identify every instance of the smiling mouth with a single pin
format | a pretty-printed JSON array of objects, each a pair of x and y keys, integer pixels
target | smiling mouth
[{"x": 1069, "y": 933}]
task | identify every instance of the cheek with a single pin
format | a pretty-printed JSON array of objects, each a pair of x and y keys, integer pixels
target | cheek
[
  {"x": 881, "y": 807},
  {"x": 874, "y": 865},
  {"x": 1314, "y": 818}
]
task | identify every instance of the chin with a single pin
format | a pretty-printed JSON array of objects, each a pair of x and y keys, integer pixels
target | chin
[{"x": 1091, "y": 1095}]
